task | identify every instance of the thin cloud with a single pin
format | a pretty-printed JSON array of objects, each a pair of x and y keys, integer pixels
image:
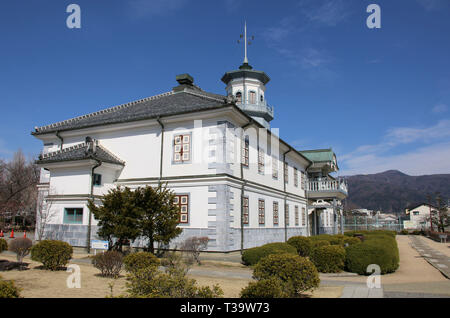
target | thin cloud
[
  {"x": 326, "y": 12},
  {"x": 376, "y": 158},
  {"x": 440, "y": 108},
  {"x": 433, "y": 5},
  {"x": 141, "y": 8},
  {"x": 433, "y": 159}
]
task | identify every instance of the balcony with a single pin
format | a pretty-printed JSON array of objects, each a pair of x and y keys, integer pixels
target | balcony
[
  {"x": 328, "y": 188},
  {"x": 261, "y": 109}
]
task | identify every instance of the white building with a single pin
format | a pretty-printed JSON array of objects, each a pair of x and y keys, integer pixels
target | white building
[
  {"x": 419, "y": 215},
  {"x": 235, "y": 181}
]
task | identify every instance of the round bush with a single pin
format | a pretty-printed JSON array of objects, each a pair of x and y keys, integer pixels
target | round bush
[
  {"x": 265, "y": 288},
  {"x": 253, "y": 255},
  {"x": 351, "y": 240},
  {"x": 297, "y": 274},
  {"x": 3, "y": 245},
  {"x": 302, "y": 244},
  {"x": 136, "y": 261},
  {"x": 320, "y": 243},
  {"x": 379, "y": 251},
  {"x": 8, "y": 289},
  {"x": 329, "y": 259},
  {"x": 52, "y": 254},
  {"x": 109, "y": 263}
]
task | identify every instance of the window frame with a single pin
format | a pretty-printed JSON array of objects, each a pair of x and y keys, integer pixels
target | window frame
[
  {"x": 286, "y": 212},
  {"x": 245, "y": 210},
  {"x": 296, "y": 216},
  {"x": 246, "y": 151},
  {"x": 261, "y": 211},
  {"x": 303, "y": 216},
  {"x": 65, "y": 216},
  {"x": 182, "y": 144},
  {"x": 250, "y": 95},
  {"x": 238, "y": 100},
  {"x": 286, "y": 172},
  {"x": 295, "y": 177},
  {"x": 179, "y": 197},
  {"x": 261, "y": 161},
  {"x": 275, "y": 171},
  {"x": 95, "y": 178},
  {"x": 276, "y": 213}
]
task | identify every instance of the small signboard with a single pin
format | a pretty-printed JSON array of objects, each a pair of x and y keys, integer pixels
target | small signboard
[{"x": 99, "y": 245}]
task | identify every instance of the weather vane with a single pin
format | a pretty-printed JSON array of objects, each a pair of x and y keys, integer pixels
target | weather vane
[{"x": 243, "y": 38}]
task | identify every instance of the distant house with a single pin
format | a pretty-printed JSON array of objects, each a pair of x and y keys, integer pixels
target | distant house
[{"x": 418, "y": 214}]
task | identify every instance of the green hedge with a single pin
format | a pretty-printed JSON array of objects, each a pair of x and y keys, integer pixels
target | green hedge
[
  {"x": 303, "y": 245},
  {"x": 379, "y": 247},
  {"x": 253, "y": 255},
  {"x": 52, "y": 254},
  {"x": 329, "y": 259}
]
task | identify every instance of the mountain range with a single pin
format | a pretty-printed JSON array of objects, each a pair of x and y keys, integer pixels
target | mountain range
[{"x": 392, "y": 191}]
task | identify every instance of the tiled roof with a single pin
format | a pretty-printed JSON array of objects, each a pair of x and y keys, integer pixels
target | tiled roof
[
  {"x": 80, "y": 152},
  {"x": 171, "y": 103}
]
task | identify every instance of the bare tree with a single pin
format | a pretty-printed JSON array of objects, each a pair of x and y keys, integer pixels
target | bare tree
[
  {"x": 18, "y": 192},
  {"x": 44, "y": 213}
]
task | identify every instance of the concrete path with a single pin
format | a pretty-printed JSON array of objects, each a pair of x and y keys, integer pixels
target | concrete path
[{"x": 436, "y": 258}]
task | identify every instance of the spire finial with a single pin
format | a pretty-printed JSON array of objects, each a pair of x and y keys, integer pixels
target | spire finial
[{"x": 246, "y": 42}]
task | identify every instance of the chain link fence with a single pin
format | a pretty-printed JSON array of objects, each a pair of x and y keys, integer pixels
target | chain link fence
[{"x": 366, "y": 223}]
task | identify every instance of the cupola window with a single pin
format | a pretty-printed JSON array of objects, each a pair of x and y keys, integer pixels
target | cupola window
[
  {"x": 239, "y": 97},
  {"x": 252, "y": 97}
]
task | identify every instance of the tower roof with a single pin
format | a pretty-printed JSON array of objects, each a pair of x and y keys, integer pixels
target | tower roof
[{"x": 245, "y": 70}]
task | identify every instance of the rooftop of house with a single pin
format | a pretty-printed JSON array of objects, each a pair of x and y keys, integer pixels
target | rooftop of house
[
  {"x": 82, "y": 151},
  {"x": 319, "y": 155},
  {"x": 184, "y": 98}
]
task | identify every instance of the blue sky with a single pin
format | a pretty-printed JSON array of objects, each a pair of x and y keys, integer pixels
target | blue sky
[{"x": 379, "y": 97}]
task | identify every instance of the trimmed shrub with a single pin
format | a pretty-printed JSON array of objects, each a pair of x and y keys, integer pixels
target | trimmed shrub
[
  {"x": 149, "y": 282},
  {"x": 8, "y": 289},
  {"x": 3, "y": 245},
  {"x": 303, "y": 245},
  {"x": 136, "y": 261},
  {"x": 109, "y": 263},
  {"x": 21, "y": 246},
  {"x": 53, "y": 255},
  {"x": 351, "y": 240},
  {"x": 297, "y": 274},
  {"x": 376, "y": 249},
  {"x": 253, "y": 255},
  {"x": 320, "y": 243},
  {"x": 266, "y": 288},
  {"x": 329, "y": 259}
]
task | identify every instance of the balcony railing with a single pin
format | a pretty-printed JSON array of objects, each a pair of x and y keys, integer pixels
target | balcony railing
[
  {"x": 328, "y": 185},
  {"x": 260, "y": 106}
]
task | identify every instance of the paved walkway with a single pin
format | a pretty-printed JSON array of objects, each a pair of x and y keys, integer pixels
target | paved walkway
[{"x": 439, "y": 260}]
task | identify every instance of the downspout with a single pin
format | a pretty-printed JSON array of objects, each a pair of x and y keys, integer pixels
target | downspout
[
  {"x": 307, "y": 199},
  {"x": 60, "y": 138},
  {"x": 285, "y": 195},
  {"x": 162, "y": 150},
  {"x": 243, "y": 185},
  {"x": 98, "y": 164}
]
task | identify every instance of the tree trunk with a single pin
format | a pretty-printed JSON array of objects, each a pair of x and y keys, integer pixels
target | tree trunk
[{"x": 151, "y": 247}]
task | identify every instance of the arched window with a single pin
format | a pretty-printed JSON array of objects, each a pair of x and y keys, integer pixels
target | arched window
[
  {"x": 262, "y": 98},
  {"x": 252, "y": 97},
  {"x": 239, "y": 97}
]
